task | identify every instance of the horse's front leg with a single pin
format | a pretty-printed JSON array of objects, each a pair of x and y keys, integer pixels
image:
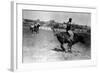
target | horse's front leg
[
  {"x": 63, "y": 49},
  {"x": 32, "y": 30},
  {"x": 69, "y": 47}
]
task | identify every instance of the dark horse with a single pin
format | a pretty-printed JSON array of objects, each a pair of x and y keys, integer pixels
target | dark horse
[
  {"x": 63, "y": 38},
  {"x": 35, "y": 28}
]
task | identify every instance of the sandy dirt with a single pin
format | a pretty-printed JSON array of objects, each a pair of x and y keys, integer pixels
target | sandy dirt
[{"x": 40, "y": 48}]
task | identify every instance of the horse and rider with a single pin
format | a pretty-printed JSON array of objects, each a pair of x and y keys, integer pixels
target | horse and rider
[
  {"x": 35, "y": 27},
  {"x": 66, "y": 37}
]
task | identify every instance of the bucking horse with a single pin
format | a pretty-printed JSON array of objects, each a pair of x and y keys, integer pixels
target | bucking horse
[{"x": 65, "y": 38}]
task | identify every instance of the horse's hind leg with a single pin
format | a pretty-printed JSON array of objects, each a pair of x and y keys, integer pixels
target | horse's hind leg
[
  {"x": 37, "y": 30},
  {"x": 32, "y": 30},
  {"x": 63, "y": 49}
]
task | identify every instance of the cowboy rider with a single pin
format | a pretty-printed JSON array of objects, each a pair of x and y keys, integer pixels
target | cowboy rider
[{"x": 68, "y": 29}]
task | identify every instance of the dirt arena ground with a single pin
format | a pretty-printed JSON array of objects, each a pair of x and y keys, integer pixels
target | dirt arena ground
[{"x": 39, "y": 48}]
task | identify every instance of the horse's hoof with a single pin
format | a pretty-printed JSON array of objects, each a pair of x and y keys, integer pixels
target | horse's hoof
[
  {"x": 65, "y": 51},
  {"x": 70, "y": 51}
]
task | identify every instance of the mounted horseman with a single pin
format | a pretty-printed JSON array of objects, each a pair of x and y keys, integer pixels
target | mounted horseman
[
  {"x": 67, "y": 37},
  {"x": 35, "y": 27}
]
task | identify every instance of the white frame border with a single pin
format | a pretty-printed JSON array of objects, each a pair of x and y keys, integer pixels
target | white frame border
[{"x": 16, "y": 59}]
